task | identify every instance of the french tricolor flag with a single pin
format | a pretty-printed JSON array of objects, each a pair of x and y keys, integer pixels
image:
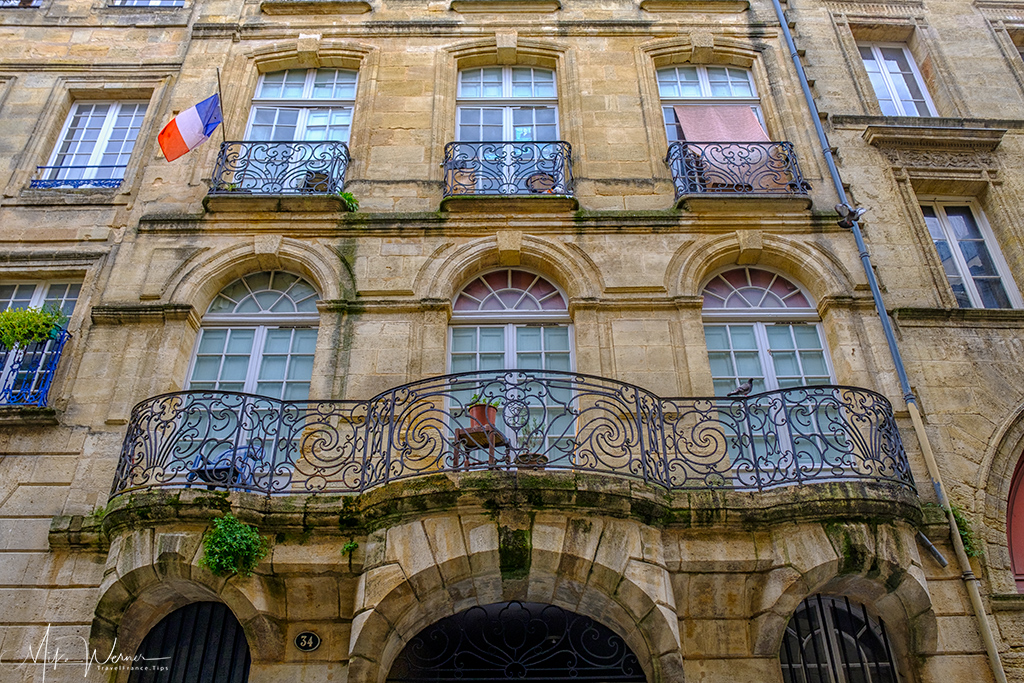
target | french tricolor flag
[{"x": 190, "y": 128}]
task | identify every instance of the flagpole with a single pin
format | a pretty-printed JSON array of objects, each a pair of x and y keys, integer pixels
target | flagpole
[{"x": 224, "y": 123}]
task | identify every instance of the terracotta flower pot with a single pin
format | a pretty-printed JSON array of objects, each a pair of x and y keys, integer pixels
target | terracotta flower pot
[{"x": 482, "y": 415}]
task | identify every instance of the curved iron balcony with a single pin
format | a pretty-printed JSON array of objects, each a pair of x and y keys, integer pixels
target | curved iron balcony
[
  {"x": 256, "y": 167},
  {"x": 538, "y": 420},
  {"x": 27, "y": 372},
  {"x": 735, "y": 168},
  {"x": 507, "y": 168}
]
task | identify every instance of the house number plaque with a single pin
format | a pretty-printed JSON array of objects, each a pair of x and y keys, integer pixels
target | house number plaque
[{"x": 307, "y": 641}]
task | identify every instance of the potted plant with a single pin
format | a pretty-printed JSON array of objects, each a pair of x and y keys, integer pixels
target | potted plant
[
  {"x": 20, "y": 327},
  {"x": 531, "y": 446},
  {"x": 483, "y": 411}
]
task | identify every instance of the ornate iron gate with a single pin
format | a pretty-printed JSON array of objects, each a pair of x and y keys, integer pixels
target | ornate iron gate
[
  {"x": 199, "y": 643},
  {"x": 523, "y": 641}
]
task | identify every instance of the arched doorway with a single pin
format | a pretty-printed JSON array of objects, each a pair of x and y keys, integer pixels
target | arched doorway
[
  {"x": 523, "y": 641},
  {"x": 1015, "y": 525},
  {"x": 200, "y": 643}
]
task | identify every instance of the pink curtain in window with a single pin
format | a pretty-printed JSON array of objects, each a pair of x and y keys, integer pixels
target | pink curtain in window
[{"x": 720, "y": 123}]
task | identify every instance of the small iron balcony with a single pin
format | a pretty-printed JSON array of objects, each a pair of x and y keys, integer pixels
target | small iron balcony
[
  {"x": 50, "y": 177},
  {"x": 507, "y": 168},
  {"x": 735, "y": 168},
  {"x": 27, "y": 372},
  {"x": 20, "y": 3},
  {"x": 511, "y": 420},
  {"x": 274, "y": 168}
]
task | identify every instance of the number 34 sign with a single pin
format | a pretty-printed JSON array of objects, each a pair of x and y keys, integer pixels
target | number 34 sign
[{"x": 307, "y": 641}]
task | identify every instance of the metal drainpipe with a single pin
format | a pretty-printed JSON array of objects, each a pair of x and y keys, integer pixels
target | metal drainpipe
[{"x": 970, "y": 580}]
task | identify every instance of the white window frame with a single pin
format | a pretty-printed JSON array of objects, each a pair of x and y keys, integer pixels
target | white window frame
[
  {"x": 39, "y": 298},
  {"x": 673, "y": 129},
  {"x": 304, "y": 104},
  {"x": 91, "y": 169},
  {"x": 892, "y": 90},
  {"x": 507, "y": 102},
  {"x": 1002, "y": 269}
]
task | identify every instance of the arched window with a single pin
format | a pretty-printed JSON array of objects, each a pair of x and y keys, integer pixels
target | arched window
[
  {"x": 258, "y": 336},
  {"x": 510, "y": 318},
  {"x": 710, "y": 104},
  {"x": 1015, "y": 525},
  {"x": 200, "y": 643},
  {"x": 835, "y": 640},
  {"x": 760, "y": 326}
]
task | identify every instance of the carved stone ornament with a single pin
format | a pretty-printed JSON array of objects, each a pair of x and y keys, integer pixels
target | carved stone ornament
[{"x": 938, "y": 159}]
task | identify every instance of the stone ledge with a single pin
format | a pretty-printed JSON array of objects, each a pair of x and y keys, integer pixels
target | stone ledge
[
  {"x": 725, "y": 6},
  {"x": 505, "y": 6},
  {"x": 317, "y": 7},
  {"x": 755, "y": 202},
  {"x": 934, "y": 137},
  {"x": 515, "y": 204},
  {"x": 1007, "y": 602},
  {"x": 27, "y": 416},
  {"x": 1004, "y": 318},
  {"x": 269, "y": 203},
  {"x": 120, "y": 314}
]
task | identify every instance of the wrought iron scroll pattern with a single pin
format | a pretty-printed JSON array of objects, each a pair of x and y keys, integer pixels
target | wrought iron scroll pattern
[
  {"x": 28, "y": 371},
  {"x": 545, "y": 419},
  {"x": 249, "y": 167},
  {"x": 517, "y": 641},
  {"x": 735, "y": 168},
  {"x": 507, "y": 168},
  {"x": 51, "y": 177}
]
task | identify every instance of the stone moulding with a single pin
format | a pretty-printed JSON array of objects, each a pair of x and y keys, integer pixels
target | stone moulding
[
  {"x": 724, "y": 6},
  {"x": 315, "y": 7},
  {"x": 931, "y": 137},
  {"x": 505, "y": 6}
]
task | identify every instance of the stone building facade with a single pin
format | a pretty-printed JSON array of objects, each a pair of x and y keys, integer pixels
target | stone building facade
[{"x": 762, "y": 538}]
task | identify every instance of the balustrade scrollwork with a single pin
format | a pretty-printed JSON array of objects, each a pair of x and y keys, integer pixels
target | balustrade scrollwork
[
  {"x": 511, "y": 420},
  {"x": 735, "y": 168},
  {"x": 263, "y": 167},
  {"x": 507, "y": 168}
]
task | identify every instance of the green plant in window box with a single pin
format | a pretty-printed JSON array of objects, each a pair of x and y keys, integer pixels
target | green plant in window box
[
  {"x": 349, "y": 200},
  {"x": 233, "y": 547},
  {"x": 23, "y": 326}
]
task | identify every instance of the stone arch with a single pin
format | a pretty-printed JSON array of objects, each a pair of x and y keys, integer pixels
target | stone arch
[
  {"x": 995, "y": 478},
  {"x": 451, "y": 267},
  {"x": 820, "y": 272},
  {"x": 434, "y": 568},
  {"x": 201, "y": 278},
  {"x": 702, "y": 47},
  {"x": 136, "y": 600},
  {"x": 875, "y": 565}
]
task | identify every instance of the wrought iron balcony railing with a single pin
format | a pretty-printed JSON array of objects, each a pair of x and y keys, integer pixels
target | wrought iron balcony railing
[
  {"x": 539, "y": 420},
  {"x": 735, "y": 168},
  {"x": 251, "y": 167},
  {"x": 507, "y": 168},
  {"x": 49, "y": 177},
  {"x": 27, "y": 372}
]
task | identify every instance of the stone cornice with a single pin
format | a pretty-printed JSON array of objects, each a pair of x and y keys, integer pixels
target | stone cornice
[
  {"x": 959, "y": 317},
  {"x": 310, "y": 7},
  {"x": 120, "y": 314},
  {"x": 932, "y": 137}
]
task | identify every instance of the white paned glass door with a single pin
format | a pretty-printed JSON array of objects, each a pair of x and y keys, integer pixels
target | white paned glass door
[{"x": 282, "y": 369}]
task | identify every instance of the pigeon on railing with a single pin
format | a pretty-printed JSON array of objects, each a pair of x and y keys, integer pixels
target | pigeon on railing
[{"x": 743, "y": 389}]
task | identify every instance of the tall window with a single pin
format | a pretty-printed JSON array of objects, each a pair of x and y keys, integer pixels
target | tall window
[
  {"x": 970, "y": 256},
  {"x": 510, "y": 103},
  {"x": 710, "y": 104},
  {"x": 95, "y": 145},
  {"x": 303, "y": 105},
  {"x": 510, "y": 319},
  {"x": 259, "y": 337},
  {"x": 896, "y": 80},
  {"x": 760, "y": 326},
  {"x": 25, "y": 374},
  {"x": 835, "y": 640},
  {"x": 1015, "y": 525}
]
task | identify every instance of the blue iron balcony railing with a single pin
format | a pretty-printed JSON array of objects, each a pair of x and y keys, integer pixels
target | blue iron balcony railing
[
  {"x": 49, "y": 177},
  {"x": 507, "y": 168},
  {"x": 735, "y": 168},
  {"x": 524, "y": 420},
  {"x": 20, "y": 3},
  {"x": 28, "y": 371},
  {"x": 250, "y": 167}
]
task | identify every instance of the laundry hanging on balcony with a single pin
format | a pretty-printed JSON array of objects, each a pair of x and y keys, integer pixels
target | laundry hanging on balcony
[{"x": 720, "y": 123}]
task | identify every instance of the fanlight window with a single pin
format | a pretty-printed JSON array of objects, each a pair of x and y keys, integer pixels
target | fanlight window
[
  {"x": 509, "y": 290},
  {"x": 259, "y": 336},
  {"x": 835, "y": 640},
  {"x": 760, "y": 326}
]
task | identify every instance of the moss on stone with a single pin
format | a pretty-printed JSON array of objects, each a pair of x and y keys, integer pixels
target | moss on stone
[{"x": 514, "y": 552}]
